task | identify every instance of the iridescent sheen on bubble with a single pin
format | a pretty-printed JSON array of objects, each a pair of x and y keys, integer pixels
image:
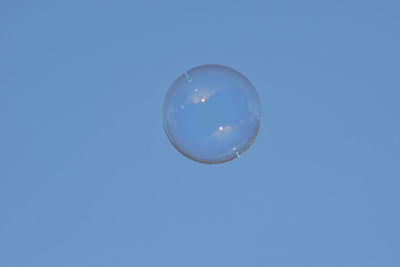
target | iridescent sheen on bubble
[{"x": 211, "y": 114}]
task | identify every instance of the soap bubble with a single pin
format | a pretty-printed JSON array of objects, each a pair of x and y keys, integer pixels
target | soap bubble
[{"x": 211, "y": 114}]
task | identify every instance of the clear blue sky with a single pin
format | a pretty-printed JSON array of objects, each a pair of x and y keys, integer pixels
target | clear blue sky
[{"x": 88, "y": 177}]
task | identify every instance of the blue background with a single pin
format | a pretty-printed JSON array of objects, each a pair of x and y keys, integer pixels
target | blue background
[{"x": 88, "y": 177}]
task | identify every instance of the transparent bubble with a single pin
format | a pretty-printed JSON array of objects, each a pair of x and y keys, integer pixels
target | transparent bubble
[{"x": 211, "y": 114}]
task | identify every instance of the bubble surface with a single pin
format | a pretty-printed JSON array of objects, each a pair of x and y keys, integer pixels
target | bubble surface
[{"x": 211, "y": 114}]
